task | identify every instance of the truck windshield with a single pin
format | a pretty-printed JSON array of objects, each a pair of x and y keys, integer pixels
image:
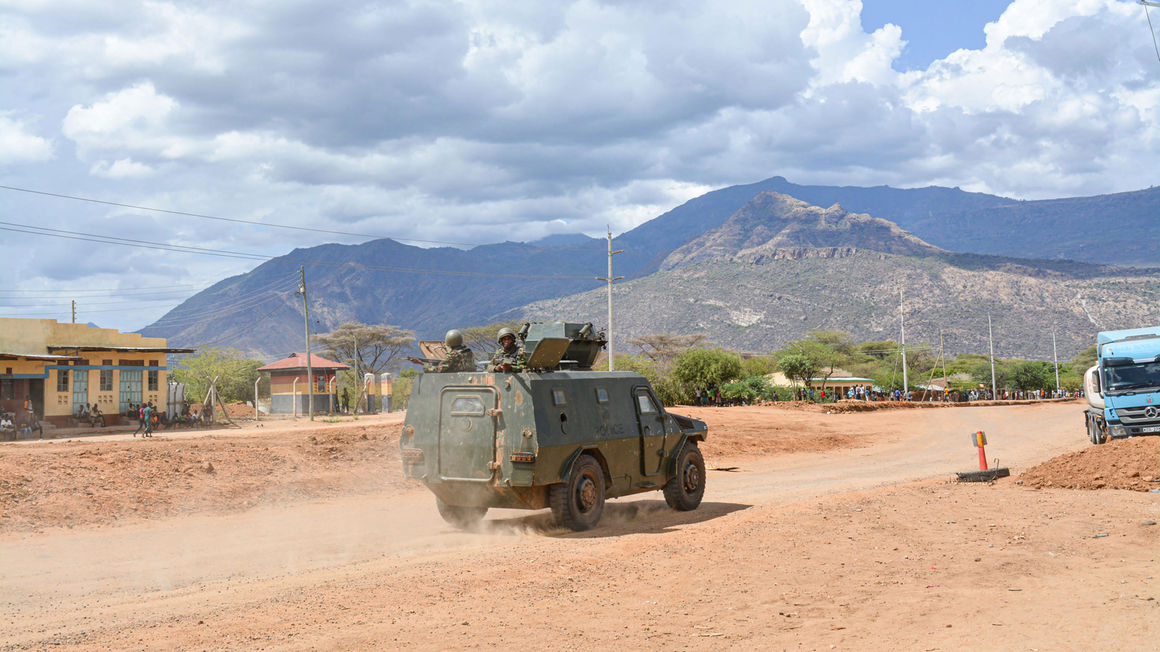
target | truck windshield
[{"x": 1132, "y": 378}]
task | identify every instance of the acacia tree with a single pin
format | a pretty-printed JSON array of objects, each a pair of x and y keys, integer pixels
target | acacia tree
[
  {"x": 367, "y": 348},
  {"x": 808, "y": 359},
  {"x": 798, "y": 367},
  {"x": 663, "y": 348}
]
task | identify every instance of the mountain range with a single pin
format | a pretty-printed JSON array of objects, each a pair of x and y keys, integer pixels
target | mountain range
[{"x": 753, "y": 266}]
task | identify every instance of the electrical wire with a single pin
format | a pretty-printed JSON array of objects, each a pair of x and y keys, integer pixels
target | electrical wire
[
  {"x": 129, "y": 242},
  {"x": 272, "y": 224},
  {"x": 147, "y": 290}
]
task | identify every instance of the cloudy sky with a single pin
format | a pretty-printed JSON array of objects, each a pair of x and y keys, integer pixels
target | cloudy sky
[{"x": 474, "y": 122}]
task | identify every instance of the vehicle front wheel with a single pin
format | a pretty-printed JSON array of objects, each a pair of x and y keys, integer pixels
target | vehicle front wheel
[
  {"x": 683, "y": 491},
  {"x": 461, "y": 517},
  {"x": 579, "y": 502}
]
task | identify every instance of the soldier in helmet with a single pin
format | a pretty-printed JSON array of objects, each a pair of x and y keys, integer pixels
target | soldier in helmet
[
  {"x": 510, "y": 356},
  {"x": 459, "y": 357}
]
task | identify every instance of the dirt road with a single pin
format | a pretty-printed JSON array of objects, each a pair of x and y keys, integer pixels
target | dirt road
[{"x": 837, "y": 531}]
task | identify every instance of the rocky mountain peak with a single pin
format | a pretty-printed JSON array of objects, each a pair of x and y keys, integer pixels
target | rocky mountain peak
[{"x": 772, "y": 223}]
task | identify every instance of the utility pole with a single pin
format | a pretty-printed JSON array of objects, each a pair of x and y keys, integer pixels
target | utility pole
[
  {"x": 942, "y": 356},
  {"x": 309, "y": 368},
  {"x": 610, "y": 278},
  {"x": 74, "y": 311},
  {"x": 902, "y": 321},
  {"x": 991, "y": 340},
  {"x": 1055, "y": 356}
]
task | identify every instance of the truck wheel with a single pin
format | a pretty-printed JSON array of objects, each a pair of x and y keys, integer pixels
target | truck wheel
[
  {"x": 579, "y": 502},
  {"x": 683, "y": 491},
  {"x": 1095, "y": 432},
  {"x": 459, "y": 516}
]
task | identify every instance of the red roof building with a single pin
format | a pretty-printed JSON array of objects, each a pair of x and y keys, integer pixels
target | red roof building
[{"x": 290, "y": 387}]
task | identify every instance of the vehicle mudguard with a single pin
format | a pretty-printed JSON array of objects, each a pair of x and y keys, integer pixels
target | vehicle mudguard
[{"x": 594, "y": 451}]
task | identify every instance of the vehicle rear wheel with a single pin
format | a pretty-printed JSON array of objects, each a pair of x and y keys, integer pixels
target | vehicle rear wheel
[
  {"x": 579, "y": 502},
  {"x": 1095, "y": 432},
  {"x": 460, "y": 516},
  {"x": 683, "y": 491}
]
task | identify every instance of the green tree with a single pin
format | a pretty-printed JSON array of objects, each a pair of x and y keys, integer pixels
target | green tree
[
  {"x": 667, "y": 390},
  {"x": 1031, "y": 375},
  {"x": 798, "y": 367},
  {"x": 749, "y": 389},
  {"x": 706, "y": 368},
  {"x": 235, "y": 374},
  {"x": 821, "y": 358},
  {"x": 761, "y": 365}
]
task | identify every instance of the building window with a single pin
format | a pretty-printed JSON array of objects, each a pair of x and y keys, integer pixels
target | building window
[
  {"x": 153, "y": 377},
  {"x": 62, "y": 380},
  {"x": 321, "y": 384},
  {"x": 7, "y": 391},
  {"x": 106, "y": 380}
]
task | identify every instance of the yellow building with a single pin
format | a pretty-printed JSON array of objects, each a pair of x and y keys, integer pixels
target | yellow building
[{"x": 62, "y": 367}]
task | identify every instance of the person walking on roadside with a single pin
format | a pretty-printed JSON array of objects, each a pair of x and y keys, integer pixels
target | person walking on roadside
[
  {"x": 147, "y": 419},
  {"x": 140, "y": 419}
]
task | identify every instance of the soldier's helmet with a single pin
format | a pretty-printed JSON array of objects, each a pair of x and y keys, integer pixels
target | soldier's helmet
[
  {"x": 504, "y": 332},
  {"x": 453, "y": 338}
]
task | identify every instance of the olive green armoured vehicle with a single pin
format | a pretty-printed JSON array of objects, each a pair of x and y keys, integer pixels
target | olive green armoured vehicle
[{"x": 555, "y": 435}]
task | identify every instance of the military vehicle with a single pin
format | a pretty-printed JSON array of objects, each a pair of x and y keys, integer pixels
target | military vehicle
[{"x": 556, "y": 434}]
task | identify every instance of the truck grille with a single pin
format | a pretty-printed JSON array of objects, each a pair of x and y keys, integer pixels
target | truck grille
[{"x": 1138, "y": 415}]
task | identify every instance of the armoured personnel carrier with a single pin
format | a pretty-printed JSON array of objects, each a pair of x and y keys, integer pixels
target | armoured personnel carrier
[{"x": 555, "y": 435}]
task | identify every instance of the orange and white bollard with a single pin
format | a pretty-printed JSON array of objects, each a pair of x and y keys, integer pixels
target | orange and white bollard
[
  {"x": 984, "y": 474},
  {"x": 980, "y": 441}
]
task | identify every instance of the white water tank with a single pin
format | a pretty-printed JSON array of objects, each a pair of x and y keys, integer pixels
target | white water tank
[{"x": 1091, "y": 388}]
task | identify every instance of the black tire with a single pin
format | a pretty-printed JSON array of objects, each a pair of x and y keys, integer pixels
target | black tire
[
  {"x": 461, "y": 517},
  {"x": 578, "y": 503},
  {"x": 1095, "y": 432},
  {"x": 684, "y": 491}
]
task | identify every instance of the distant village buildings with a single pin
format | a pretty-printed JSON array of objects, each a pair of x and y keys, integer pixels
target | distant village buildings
[{"x": 64, "y": 367}]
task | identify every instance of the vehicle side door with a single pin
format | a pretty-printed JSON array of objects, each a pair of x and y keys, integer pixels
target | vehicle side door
[{"x": 651, "y": 422}]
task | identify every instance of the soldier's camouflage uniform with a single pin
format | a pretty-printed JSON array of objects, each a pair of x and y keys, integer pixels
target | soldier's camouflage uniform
[
  {"x": 458, "y": 359},
  {"x": 514, "y": 356}
]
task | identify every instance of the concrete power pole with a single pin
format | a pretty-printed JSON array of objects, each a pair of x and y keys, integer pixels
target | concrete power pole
[
  {"x": 610, "y": 278},
  {"x": 74, "y": 311},
  {"x": 902, "y": 321},
  {"x": 309, "y": 368},
  {"x": 991, "y": 340},
  {"x": 1055, "y": 357}
]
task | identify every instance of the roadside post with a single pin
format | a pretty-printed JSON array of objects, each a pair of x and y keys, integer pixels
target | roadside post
[
  {"x": 984, "y": 474},
  {"x": 980, "y": 439}
]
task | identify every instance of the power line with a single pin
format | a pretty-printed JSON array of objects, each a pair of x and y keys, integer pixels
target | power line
[
  {"x": 272, "y": 224},
  {"x": 147, "y": 244},
  {"x": 159, "y": 289}
]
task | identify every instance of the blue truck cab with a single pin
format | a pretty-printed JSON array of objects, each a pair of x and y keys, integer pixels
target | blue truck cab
[{"x": 1123, "y": 389}]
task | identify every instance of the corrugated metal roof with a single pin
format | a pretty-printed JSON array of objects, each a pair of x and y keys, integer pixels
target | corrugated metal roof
[
  {"x": 37, "y": 356},
  {"x": 125, "y": 349},
  {"x": 298, "y": 361}
]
